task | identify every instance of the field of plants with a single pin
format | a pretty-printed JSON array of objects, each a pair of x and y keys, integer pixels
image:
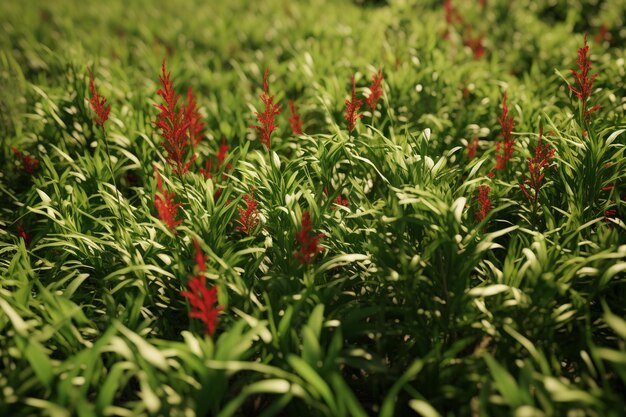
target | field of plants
[{"x": 313, "y": 208}]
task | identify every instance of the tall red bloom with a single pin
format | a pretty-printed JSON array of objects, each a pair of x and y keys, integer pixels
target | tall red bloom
[
  {"x": 221, "y": 153},
  {"x": 472, "y": 147},
  {"x": 194, "y": 118},
  {"x": 376, "y": 91},
  {"x": 173, "y": 124},
  {"x": 484, "y": 203},
  {"x": 603, "y": 34},
  {"x": 309, "y": 242},
  {"x": 267, "y": 124},
  {"x": 98, "y": 103},
  {"x": 506, "y": 124},
  {"x": 340, "y": 200},
  {"x": 248, "y": 218},
  {"x": 536, "y": 168},
  {"x": 352, "y": 108},
  {"x": 207, "y": 170},
  {"x": 294, "y": 119},
  {"x": 164, "y": 203},
  {"x": 23, "y": 234},
  {"x": 29, "y": 162},
  {"x": 201, "y": 299},
  {"x": 452, "y": 16},
  {"x": 475, "y": 44},
  {"x": 584, "y": 81}
]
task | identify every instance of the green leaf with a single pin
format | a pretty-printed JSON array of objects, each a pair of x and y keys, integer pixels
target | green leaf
[
  {"x": 387, "y": 409},
  {"x": 504, "y": 382},
  {"x": 315, "y": 382},
  {"x": 616, "y": 323},
  {"x": 423, "y": 408}
]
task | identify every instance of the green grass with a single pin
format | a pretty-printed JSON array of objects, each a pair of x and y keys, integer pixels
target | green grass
[{"x": 413, "y": 307}]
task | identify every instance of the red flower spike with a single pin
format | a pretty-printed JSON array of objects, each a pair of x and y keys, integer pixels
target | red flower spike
[
  {"x": 29, "y": 162},
  {"x": 164, "y": 204},
  {"x": 376, "y": 91},
  {"x": 206, "y": 170},
  {"x": 98, "y": 103},
  {"x": 584, "y": 82},
  {"x": 202, "y": 299},
  {"x": 610, "y": 214},
  {"x": 352, "y": 108},
  {"x": 221, "y": 153},
  {"x": 23, "y": 234},
  {"x": 200, "y": 258},
  {"x": 309, "y": 243},
  {"x": 452, "y": 16},
  {"x": 484, "y": 202},
  {"x": 294, "y": 119},
  {"x": 472, "y": 147},
  {"x": 217, "y": 194},
  {"x": 341, "y": 201},
  {"x": 248, "y": 218},
  {"x": 536, "y": 168},
  {"x": 603, "y": 34},
  {"x": 173, "y": 124},
  {"x": 196, "y": 127},
  {"x": 267, "y": 124},
  {"x": 475, "y": 44},
  {"x": 506, "y": 123},
  {"x": 202, "y": 302}
]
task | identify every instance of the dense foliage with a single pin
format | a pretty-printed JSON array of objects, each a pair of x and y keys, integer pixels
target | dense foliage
[{"x": 323, "y": 208}]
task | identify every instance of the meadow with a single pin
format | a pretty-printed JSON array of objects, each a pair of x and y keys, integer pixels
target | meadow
[{"x": 315, "y": 208}]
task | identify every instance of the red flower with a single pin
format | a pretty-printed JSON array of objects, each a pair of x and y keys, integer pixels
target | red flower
[
  {"x": 452, "y": 15},
  {"x": 472, "y": 146},
  {"x": 165, "y": 205},
  {"x": 173, "y": 124},
  {"x": 584, "y": 82},
  {"x": 29, "y": 162},
  {"x": 475, "y": 44},
  {"x": 221, "y": 153},
  {"x": 506, "y": 123},
  {"x": 294, "y": 119},
  {"x": 23, "y": 234},
  {"x": 267, "y": 124},
  {"x": 248, "y": 218},
  {"x": 200, "y": 258},
  {"x": 536, "y": 167},
  {"x": 194, "y": 118},
  {"x": 200, "y": 298},
  {"x": 352, "y": 108},
  {"x": 217, "y": 194},
  {"x": 98, "y": 102},
  {"x": 341, "y": 201},
  {"x": 603, "y": 34},
  {"x": 376, "y": 91},
  {"x": 484, "y": 202},
  {"x": 610, "y": 214},
  {"x": 206, "y": 170},
  {"x": 309, "y": 243}
]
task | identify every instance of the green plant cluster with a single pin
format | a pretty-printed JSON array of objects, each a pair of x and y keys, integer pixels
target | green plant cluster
[{"x": 413, "y": 308}]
